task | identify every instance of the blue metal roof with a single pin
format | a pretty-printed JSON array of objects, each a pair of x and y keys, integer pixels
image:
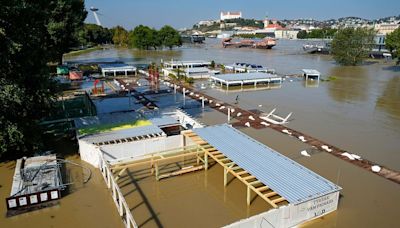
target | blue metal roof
[
  {"x": 164, "y": 121},
  {"x": 244, "y": 76},
  {"x": 289, "y": 179}
]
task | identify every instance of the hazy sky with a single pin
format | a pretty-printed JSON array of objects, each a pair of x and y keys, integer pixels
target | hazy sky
[{"x": 185, "y": 13}]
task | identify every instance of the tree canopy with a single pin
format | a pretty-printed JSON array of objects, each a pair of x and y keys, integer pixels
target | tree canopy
[
  {"x": 120, "y": 36},
  {"x": 350, "y": 46},
  {"x": 92, "y": 34},
  {"x": 392, "y": 42},
  {"x": 169, "y": 37},
  {"x": 144, "y": 37},
  {"x": 31, "y": 34},
  {"x": 317, "y": 33}
]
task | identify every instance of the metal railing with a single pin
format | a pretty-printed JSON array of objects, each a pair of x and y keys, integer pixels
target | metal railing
[{"x": 117, "y": 195}]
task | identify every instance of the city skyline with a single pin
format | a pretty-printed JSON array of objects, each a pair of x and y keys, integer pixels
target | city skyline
[{"x": 156, "y": 13}]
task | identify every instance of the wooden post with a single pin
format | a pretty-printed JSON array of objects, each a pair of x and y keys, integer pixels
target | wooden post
[
  {"x": 197, "y": 156},
  {"x": 225, "y": 177},
  {"x": 229, "y": 114},
  {"x": 157, "y": 171},
  {"x": 184, "y": 96},
  {"x": 202, "y": 102},
  {"x": 205, "y": 161},
  {"x": 248, "y": 195},
  {"x": 108, "y": 178},
  {"x": 174, "y": 88},
  {"x": 121, "y": 211}
]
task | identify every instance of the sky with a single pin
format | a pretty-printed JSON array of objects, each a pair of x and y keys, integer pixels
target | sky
[{"x": 185, "y": 13}]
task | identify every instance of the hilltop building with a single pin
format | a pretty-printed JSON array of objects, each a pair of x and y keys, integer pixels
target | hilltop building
[
  {"x": 230, "y": 15},
  {"x": 386, "y": 28}
]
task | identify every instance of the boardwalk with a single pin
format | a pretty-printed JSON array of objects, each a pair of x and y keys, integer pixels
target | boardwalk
[{"x": 247, "y": 118}]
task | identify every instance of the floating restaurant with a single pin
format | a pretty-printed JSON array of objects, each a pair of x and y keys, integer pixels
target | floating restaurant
[{"x": 245, "y": 79}]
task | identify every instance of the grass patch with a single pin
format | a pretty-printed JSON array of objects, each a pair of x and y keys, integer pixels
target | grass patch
[
  {"x": 113, "y": 127},
  {"x": 330, "y": 78}
]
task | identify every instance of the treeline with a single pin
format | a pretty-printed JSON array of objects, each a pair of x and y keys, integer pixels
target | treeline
[
  {"x": 317, "y": 34},
  {"x": 141, "y": 37}
]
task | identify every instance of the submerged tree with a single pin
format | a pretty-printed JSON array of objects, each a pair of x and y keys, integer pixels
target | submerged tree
[
  {"x": 120, "y": 36},
  {"x": 143, "y": 37},
  {"x": 31, "y": 35},
  {"x": 392, "y": 42},
  {"x": 169, "y": 37},
  {"x": 351, "y": 46}
]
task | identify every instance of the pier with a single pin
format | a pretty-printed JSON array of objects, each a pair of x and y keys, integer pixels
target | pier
[{"x": 250, "y": 119}]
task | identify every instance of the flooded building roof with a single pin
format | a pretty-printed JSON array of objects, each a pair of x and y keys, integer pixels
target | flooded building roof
[
  {"x": 149, "y": 130},
  {"x": 289, "y": 179},
  {"x": 116, "y": 104},
  {"x": 117, "y": 66},
  {"x": 108, "y": 118},
  {"x": 244, "y": 76},
  {"x": 311, "y": 72}
]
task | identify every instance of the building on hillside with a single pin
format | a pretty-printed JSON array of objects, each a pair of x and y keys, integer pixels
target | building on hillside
[
  {"x": 230, "y": 15},
  {"x": 386, "y": 28}
]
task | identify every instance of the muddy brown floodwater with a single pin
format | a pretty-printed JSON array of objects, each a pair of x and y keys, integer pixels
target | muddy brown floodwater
[
  {"x": 359, "y": 112},
  {"x": 86, "y": 205}
]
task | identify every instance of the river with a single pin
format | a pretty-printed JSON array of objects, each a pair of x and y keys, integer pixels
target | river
[{"x": 359, "y": 112}]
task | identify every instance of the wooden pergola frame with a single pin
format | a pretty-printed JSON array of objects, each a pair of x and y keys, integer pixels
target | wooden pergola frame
[
  {"x": 155, "y": 158},
  {"x": 252, "y": 183}
]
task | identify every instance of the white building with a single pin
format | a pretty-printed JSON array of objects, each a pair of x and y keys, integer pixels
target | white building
[
  {"x": 286, "y": 34},
  {"x": 230, "y": 15},
  {"x": 386, "y": 28}
]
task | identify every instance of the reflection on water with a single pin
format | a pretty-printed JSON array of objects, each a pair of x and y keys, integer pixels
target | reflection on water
[
  {"x": 351, "y": 85},
  {"x": 389, "y": 101}
]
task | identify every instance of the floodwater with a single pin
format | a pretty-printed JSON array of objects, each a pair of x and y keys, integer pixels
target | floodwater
[
  {"x": 86, "y": 205},
  {"x": 359, "y": 112}
]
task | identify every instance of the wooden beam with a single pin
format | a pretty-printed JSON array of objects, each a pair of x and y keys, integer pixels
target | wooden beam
[
  {"x": 255, "y": 182},
  {"x": 281, "y": 199},
  {"x": 263, "y": 188},
  {"x": 248, "y": 177},
  {"x": 270, "y": 194},
  {"x": 242, "y": 172}
]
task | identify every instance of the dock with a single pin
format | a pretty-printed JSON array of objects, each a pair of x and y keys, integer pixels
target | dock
[{"x": 250, "y": 119}]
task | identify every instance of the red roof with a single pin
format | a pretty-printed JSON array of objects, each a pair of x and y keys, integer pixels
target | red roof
[{"x": 276, "y": 26}]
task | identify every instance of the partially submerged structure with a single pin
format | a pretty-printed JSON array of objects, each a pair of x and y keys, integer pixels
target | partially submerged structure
[
  {"x": 295, "y": 193},
  {"x": 194, "y": 69},
  {"x": 117, "y": 68},
  {"x": 311, "y": 74},
  {"x": 248, "y": 68},
  {"x": 245, "y": 79},
  {"x": 37, "y": 180}
]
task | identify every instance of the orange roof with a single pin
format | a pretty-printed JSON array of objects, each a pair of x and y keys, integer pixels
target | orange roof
[{"x": 276, "y": 26}]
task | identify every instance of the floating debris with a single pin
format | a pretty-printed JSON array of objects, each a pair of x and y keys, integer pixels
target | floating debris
[
  {"x": 305, "y": 153},
  {"x": 325, "y": 147},
  {"x": 239, "y": 114},
  {"x": 260, "y": 105},
  {"x": 251, "y": 118},
  {"x": 302, "y": 138},
  {"x": 376, "y": 168},
  {"x": 247, "y": 124},
  {"x": 232, "y": 110},
  {"x": 222, "y": 107},
  {"x": 264, "y": 123},
  {"x": 217, "y": 104},
  {"x": 287, "y": 132}
]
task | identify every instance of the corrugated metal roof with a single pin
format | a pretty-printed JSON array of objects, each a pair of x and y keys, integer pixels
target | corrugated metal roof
[
  {"x": 122, "y": 134},
  {"x": 163, "y": 121},
  {"x": 289, "y": 179},
  {"x": 116, "y": 66},
  {"x": 244, "y": 76},
  {"x": 116, "y": 104}
]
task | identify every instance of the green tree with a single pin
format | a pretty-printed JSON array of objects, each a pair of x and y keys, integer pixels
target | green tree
[
  {"x": 29, "y": 33},
  {"x": 143, "y": 37},
  {"x": 392, "y": 42},
  {"x": 64, "y": 21},
  {"x": 169, "y": 37},
  {"x": 351, "y": 46},
  {"x": 302, "y": 34},
  {"x": 120, "y": 36}
]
